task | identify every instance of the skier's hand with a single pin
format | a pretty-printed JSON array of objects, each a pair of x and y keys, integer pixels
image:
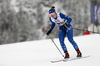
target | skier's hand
[
  {"x": 48, "y": 32},
  {"x": 65, "y": 25}
]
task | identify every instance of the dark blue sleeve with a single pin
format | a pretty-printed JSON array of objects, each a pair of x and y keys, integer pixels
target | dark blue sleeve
[
  {"x": 65, "y": 17},
  {"x": 53, "y": 24}
]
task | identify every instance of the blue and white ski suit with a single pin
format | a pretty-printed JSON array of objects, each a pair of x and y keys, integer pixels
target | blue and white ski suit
[{"x": 61, "y": 19}]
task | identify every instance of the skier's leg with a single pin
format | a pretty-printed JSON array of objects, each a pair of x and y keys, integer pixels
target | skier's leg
[
  {"x": 70, "y": 38},
  {"x": 62, "y": 35}
]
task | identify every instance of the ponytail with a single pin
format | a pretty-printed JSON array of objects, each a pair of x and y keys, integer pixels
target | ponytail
[
  {"x": 52, "y": 10},
  {"x": 53, "y": 7}
]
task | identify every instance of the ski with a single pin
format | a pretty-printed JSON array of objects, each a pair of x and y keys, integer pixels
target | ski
[
  {"x": 59, "y": 60},
  {"x": 70, "y": 59}
]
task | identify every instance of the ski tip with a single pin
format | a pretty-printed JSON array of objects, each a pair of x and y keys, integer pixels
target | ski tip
[{"x": 53, "y": 61}]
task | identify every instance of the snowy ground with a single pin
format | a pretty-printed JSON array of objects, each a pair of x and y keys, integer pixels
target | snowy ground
[{"x": 40, "y": 53}]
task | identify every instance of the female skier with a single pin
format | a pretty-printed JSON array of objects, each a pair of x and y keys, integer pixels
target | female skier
[{"x": 64, "y": 28}]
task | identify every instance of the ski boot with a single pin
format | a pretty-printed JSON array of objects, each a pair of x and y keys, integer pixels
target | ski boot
[
  {"x": 79, "y": 54},
  {"x": 66, "y": 55}
]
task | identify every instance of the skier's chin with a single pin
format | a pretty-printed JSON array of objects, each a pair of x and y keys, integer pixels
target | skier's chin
[{"x": 52, "y": 16}]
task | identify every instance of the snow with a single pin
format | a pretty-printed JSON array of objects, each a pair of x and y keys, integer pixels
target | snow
[
  {"x": 14, "y": 4},
  {"x": 41, "y": 52}
]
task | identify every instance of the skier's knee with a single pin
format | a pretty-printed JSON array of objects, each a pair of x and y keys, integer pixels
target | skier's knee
[
  {"x": 71, "y": 40},
  {"x": 61, "y": 42}
]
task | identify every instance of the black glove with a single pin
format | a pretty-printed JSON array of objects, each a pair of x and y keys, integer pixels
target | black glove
[
  {"x": 48, "y": 32},
  {"x": 65, "y": 25}
]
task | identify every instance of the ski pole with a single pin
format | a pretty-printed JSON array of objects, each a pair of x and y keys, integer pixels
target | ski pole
[
  {"x": 86, "y": 30},
  {"x": 83, "y": 30},
  {"x": 56, "y": 45}
]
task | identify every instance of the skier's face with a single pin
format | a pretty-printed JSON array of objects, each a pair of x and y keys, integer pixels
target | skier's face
[{"x": 53, "y": 15}]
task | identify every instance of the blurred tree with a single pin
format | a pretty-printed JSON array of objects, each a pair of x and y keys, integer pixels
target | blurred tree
[
  {"x": 14, "y": 27},
  {"x": 27, "y": 22}
]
